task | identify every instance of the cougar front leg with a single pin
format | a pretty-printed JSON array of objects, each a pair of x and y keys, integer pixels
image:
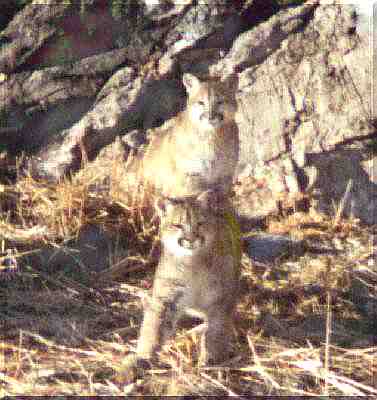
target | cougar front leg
[
  {"x": 157, "y": 326},
  {"x": 217, "y": 338},
  {"x": 159, "y": 323},
  {"x": 152, "y": 329}
]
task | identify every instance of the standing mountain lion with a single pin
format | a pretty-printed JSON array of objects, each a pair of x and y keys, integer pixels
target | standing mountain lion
[
  {"x": 199, "y": 148},
  {"x": 198, "y": 274}
]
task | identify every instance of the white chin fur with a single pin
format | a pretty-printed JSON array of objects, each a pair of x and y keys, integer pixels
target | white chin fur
[
  {"x": 171, "y": 245},
  {"x": 197, "y": 116},
  {"x": 195, "y": 113}
]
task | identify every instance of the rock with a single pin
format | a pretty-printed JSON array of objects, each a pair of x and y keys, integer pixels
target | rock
[
  {"x": 305, "y": 82},
  {"x": 158, "y": 101},
  {"x": 20, "y": 39},
  {"x": 266, "y": 248},
  {"x": 254, "y": 198},
  {"x": 255, "y": 45},
  {"x": 90, "y": 252},
  {"x": 339, "y": 179},
  {"x": 95, "y": 130},
  {"x": 199, "y": 36},
  {"x": 198, "y": 21},
  {"x": 61, "y": 102},
  {"x": 135, "y": 105},
  {"x": 363, "y": 296}
]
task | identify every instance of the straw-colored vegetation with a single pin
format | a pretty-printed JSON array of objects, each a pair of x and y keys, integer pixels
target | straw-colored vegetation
[{"x": 303, "y": 324}]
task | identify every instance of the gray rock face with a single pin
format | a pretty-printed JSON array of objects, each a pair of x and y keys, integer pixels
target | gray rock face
[
  {"x": 304, "y": 104},
  {"x": 20, "y": 39},
  {"x": 341, "y": 184},
  {"x": 90, "y": 252},
  {"x": 266, "y": 248},
  {"x": 125, "y": 97},
  {"x": 305, "y": 91}
]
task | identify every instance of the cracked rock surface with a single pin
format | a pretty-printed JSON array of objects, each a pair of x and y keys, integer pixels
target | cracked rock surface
[{"x": 304, "y": 101}]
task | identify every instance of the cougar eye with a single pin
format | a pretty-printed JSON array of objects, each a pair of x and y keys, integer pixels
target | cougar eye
[{"x": 201, "y": 103}]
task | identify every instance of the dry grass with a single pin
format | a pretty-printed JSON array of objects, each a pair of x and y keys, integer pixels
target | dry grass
[{"x": 303, "y": 324}]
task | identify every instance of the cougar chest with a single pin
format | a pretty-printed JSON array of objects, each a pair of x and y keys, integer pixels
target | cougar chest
[{"x": 203, "y": 155}]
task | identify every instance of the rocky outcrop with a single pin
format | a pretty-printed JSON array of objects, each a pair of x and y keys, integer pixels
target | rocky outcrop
[
  {"x": 305, "y": 111},
  {"x": 122, "y": 83},
  {"x": 305, "y": 108}
]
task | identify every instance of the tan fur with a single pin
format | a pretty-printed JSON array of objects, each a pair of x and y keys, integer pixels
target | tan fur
[
  {"x": 198, "y": 149},
  {"x": 198, "y": 274}
]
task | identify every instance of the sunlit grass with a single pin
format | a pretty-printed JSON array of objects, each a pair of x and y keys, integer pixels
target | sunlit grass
[{"x": 300, "y": 328}]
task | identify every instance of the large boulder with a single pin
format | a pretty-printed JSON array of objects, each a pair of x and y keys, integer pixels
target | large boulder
[{"x": 305, "y": 110}]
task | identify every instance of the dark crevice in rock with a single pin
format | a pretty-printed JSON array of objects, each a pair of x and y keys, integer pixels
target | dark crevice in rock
[
  {"x": 258, "y": 12},
  {"x": 8, "y": 11},
  {"x": 301, "y": 177},
  {"x": 289, "y": 132}
]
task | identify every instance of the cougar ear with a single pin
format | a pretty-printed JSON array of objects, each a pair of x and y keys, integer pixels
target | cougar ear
[{"x": 191, "y": 82}]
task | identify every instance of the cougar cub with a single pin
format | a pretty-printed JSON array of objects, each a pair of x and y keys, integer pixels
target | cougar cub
[
  {"x": 199, "y": 149},
  {"x": 198, "y": 274}
]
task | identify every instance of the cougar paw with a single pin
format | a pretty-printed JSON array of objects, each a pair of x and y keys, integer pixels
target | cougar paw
[{"x": 133, "y": 368}]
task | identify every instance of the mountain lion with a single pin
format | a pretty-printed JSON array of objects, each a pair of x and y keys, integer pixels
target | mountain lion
[
  {"x": 198, "y": 274},
  {"x": 199, "y": 148}
]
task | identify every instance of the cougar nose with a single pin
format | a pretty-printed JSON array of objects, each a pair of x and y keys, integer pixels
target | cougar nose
[{"x": 216, "y": 117}]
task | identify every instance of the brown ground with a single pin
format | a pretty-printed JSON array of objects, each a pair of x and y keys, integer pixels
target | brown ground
[{"x": 306, "y": 324}]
